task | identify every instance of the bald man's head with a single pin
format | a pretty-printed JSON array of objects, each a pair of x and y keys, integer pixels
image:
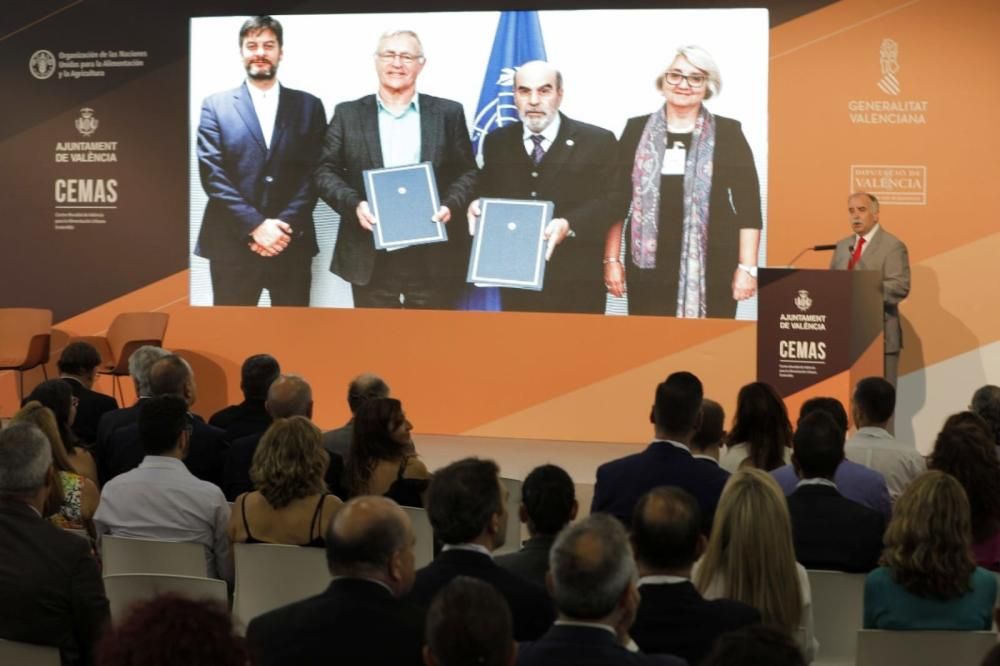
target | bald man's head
[
  {"x": 289, "y": 395},
  {"x": 666, "y": 526},
  {"x": 365, "y": 387},
  {"x": 371, "y": 536},
  {"x": 172, "y": 375}
]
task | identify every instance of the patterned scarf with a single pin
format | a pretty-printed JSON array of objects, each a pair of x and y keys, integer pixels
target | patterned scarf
[{"x": 697, "y": 190}]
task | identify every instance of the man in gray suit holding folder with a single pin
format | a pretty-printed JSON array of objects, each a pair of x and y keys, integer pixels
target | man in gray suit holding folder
[
  {"x": 397, "y": 127},
  {"x": 872, "y": 248}
]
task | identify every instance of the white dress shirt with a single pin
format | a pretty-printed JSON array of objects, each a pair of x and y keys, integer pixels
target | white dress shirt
[
  {"x": 548, "y": 136},
  {"x": 876, "y": 449},
  {"x": 265, "y": 104}
]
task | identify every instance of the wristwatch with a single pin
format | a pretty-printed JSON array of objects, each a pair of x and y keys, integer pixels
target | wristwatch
[{"x": 750, "y": 270}]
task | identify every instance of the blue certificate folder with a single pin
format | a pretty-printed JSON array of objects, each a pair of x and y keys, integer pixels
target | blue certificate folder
[
  {"x": 509, "y": 250},
  {"x": 403, "y": 200}
]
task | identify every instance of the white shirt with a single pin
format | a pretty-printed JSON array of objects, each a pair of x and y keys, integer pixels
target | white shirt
[
  {"x": 661, "y": 580},
  {"x": 734, "y": 456},
  {"x": 876, "y": 449},
  {"x": 548, "y": 136},
  {"x": 265, "y": 104},
  {"x": 160, "y": 499},
  {"x": 816, "y": 481},
  {"x": 472, "y": 547}
]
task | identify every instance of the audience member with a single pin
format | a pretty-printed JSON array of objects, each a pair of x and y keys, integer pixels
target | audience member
[
  {"x": 592, "y": 579},
  {"x": 171, "y": 630},
  {"x": 161, "y": 499},
  {"x": 58, "y": 396},
  {"x": 761, "y": 435},
  {"x": 829, "y": 531},
  {"x": 667, "y": 460},
  {"x": 872, "y": 407},
  {"x": 854, "y": 481},
  {"x": 50, "y": 585},
  {"x": 993, "y": 657},
  {"x": 673, "y": 617},
  {"x": 758, "y": 645},
  {"x": 73, "y": 498},
  {"x": 359, "y": 619},
  {"x": 706, "y": 443},
  {"x": 928, "y": 579},
  {"x": 750, "y": 557},
  {"x": 291, "y": 504},
  {"x": 986, "y": 403},
  {"x": 967, "y": 453},
  {"x": 468, "y": 624},
  {"x": 363, "y": 387},
  {"x": 382, "y": 459},
  {"x": 466, "y": 507},
  {"x": 250, "y": 417},
  {"x": 78, "y": 364},
  {"x": 548, "y": 504}
]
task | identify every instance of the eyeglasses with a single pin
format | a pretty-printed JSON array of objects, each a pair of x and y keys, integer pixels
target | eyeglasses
[
  {"x": 405, "y": 58},
  {"x": 694, "y": 81}
]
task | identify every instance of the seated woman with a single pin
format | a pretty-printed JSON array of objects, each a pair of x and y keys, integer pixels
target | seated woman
[
  {"x": 928, "y": 579},
  {"x": 750, "y": 557},
  {"x": 382, "y": 460},
  {"x": 57, "y": 395},
  {"x": 761, "y": 435},
  {"x": 291, "y": 504},
  {"x": 74, "y": 499}
]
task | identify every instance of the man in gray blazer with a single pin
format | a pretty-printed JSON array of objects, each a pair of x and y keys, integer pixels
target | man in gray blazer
[
  {"x": 397, "y": 127},
  {"x": 872, "y": 248}
]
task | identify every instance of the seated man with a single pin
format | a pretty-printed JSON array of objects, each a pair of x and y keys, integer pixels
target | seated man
[
  {"x": 592, "y": 581},
  {"x": 161, "y": 499},
  {"x": 363, "y": 387},
  {"x": 359, "y": 619},
  {"x": 51, "y": 592},
  {"x": 465, "y": 504},
  {"x": 829, "y": 530},
  {"x": 249, "y": 417},
  {"x": 78, "y": 367},
  {"x": 548, "y": 504},
  {"x": 673, "y": 617},
  {"x": 469, "y": 623}
]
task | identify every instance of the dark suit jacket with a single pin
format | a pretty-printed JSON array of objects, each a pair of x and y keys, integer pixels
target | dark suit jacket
[
  {"x": 239, "y": 458},
  {"x": 247, "y": 418},
  {"x": 339, "y": 439},
  {"x": 530, "y": 605},
  {"x": 353, "y": 622},
  {"x": 104, "y": 447},
  {"x": 621, "y": 482},
  {"x": 50, "y": 585},
  {"x": 832, "y": 532},
  {"x": 574, "y": 175},
  {"x": 352, "y": 145},
  {"x": 674, "y": 619},
  {"x": 584, "y": 646},
  {"x": 531, "y": 562},
  {"x": 92, "y": 406},
  {"x": 247, "y": 183},
  {"x": 887, "y": 255}
]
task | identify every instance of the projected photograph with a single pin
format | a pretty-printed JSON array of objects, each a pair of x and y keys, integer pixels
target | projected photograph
[{"x": 645, "y": 148}]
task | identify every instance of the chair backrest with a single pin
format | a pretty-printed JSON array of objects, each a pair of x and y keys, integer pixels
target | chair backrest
[
  {"x": 131, "y": 330},
  {"x": 513, "y": 542},
  {"x": 424, "y": 550},
  {"x": 122, "y": 555},
  {"x": 269, "y": 576},
  {"x": 923, "y": 648},
  {"x": 25, "y": 335},
  {"x": 123, "y": 590},
  {"x": 27, "y": 654},
  {"x": 837, "y": 601}
]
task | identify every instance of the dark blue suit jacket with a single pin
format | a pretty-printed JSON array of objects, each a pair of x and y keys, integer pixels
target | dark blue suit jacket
[
  {"x": 620, "y": 483},
  {"x": 247, "y": 183},
  {"x": 585, "y": 646}
]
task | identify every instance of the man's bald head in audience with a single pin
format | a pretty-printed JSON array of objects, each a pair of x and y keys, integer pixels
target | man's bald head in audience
[
  {"x": 666, "y": 531},
  {"x": 172, "y": 375},
  {"x": 365, "y": 387},
  {"x": 371, "y": 537},
  {"x": 289, "y": 395}
]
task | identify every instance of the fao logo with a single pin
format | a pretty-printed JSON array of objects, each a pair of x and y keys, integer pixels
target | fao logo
[
  {"x": 42, "y": 64},
  {"x": 86, "y": 124},
  {"x": 802, "y": 301}
]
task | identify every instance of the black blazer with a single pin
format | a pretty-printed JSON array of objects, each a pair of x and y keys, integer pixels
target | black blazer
[
  {"x": 354, "y": 621},
  {"x": 247, "y": 418},
  {"x": 92, "y": 406},
  {"x": 239, "y": 458},
  {"x": 574, "y": 175},
  {"x": 530, "y": 606},
  {"x": 104, "y": 447},
  {"x": 832, "y": 532},
  {"x": 674, "y": 618},
  {"x": 50, "y": 585},
  {"x": 585, "y": 646},
  {"x": 531, "y": 562},
  {"x": 352, "y": 145},
  {"x": 621, "y": 482}
]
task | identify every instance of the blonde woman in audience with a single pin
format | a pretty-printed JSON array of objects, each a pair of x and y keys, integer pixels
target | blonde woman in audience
[
  {"x": 928, "y": 579},
  {"x": 382, "y": 459},
  {"x": 750, "y": 557},
  {"x": 291, "y": 504},
  {"x": 74, "y": 499},
  {"x": 761, "y": 435}
]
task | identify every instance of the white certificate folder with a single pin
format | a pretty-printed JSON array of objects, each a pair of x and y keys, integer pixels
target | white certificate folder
[
  {"x": 509, "y": 248},
  {"x": 403, "y": 200}
]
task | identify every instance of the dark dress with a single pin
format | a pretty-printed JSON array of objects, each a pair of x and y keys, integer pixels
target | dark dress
[{"x": 316, "y": 539}]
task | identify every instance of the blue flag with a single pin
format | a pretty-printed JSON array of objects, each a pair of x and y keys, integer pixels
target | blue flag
[{"x": 518, "y": 40}]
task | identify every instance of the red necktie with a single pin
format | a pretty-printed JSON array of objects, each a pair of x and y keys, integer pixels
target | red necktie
[{"x": 857, "y": 254}]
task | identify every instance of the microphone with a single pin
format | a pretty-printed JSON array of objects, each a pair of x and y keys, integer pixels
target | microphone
[{"x": 811, "y": 248}]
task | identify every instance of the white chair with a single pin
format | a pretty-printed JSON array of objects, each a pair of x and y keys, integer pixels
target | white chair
[
  {"x": 837, "y": 601},
  {"x": 423, "y": 551},
  {"x": 513, "y": 542},
  {"x": 269, "y": 576},
  {"x": 123, "y": 590},
  {"x": 923, "y": 648},
  {"x": 122, "y": 555},
  {"x": 27, "y": 654}
]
